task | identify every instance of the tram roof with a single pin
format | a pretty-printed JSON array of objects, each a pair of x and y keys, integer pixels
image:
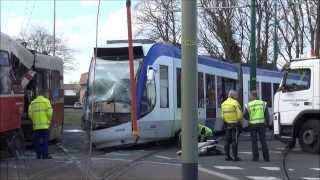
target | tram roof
[
  {"x": 49, "y": 62},
  {"x": 10, "y": 45},
  {"x": 26, "y": 57},
  {"x": 160, "y": 49}
]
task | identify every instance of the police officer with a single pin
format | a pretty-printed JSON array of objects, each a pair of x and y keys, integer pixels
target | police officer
[
  {"x": 232, "y": 116},
  {"x": 256, "y": 111},
  {"x": 40, "y": 112},
  {"x": 204, "y": 133}
]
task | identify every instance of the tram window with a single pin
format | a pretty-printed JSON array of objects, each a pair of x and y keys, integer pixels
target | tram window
[
  {"x": 43, "y": 79},
  {"x": 4, "y": 58},
  {"x": 164, "y": 87},
  {"x": 224, "y": 85},
  {"x": 275, "y": 87},
  {"x": 148, "y": 98},
  {"x": 5, "y": 81},
  {"x": 266, "y": 93},
  {"x": 19, "y": 70},
  {"x": 257, "y": 88},
  {"x": 211, "y": 94},
  {"x": 178, "y": 88},
  {"x": 55, "y": 85},
  {"x": 200, "y": 90}
]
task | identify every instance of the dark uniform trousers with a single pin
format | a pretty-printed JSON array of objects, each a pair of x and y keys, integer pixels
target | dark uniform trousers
[
  {"x": 40, "y": 141},
  {"x": 232, "y": 134},
  {"x": 254, "y": 132}
]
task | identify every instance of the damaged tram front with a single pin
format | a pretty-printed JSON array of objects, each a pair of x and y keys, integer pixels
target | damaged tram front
[
  {"x": 23, "y": 73},
  {"x": 108, "y": 101}
]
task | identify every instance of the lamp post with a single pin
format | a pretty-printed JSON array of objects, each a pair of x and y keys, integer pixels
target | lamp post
[{"x": 189, "y": 114}]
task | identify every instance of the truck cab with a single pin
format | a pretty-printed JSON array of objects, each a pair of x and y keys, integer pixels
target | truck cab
[{"x": 297, "y": 105}]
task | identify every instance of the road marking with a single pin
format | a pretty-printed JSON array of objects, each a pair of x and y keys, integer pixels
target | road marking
[
  {"x": 263, "y": 178},
  {"x": 245, "y": 152},
  {"x": 165, "y": 157},
  {"x": 73, "y": 130},
  {"x": 271, "y": 168},
  {"x": 215, "y": 173},
  {"x": 280, "y": 148},
  {"x": 291, "y": 169},
  {"x": 119, "y": 154},
  {"x": 83, "y": 168},
  {"x": 276, "y": 152},
  {"x": 160, "y": 163},
  {"x": 316, "y": 169},
  {"x": 228, "y": 167},
  {"x": 111, "y": 159},
  {"x": 310, "y": 178}
]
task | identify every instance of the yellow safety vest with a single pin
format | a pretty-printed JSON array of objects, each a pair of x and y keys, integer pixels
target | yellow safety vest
[
  {"x": 231, "y": 111},
  {"x": 40, "y": 112},
  {"x": 208, "y": 131},
  {"x": 256, "y": 111}
]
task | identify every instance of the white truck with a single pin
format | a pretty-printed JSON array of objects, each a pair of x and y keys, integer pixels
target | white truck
[{"x": 297, "y": 105}]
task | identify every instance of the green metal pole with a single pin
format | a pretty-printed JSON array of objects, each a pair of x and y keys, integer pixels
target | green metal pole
[
  {"x": 54, "y": 27},
  {"x": 189, "y": 93},
  {"x": 253, "y": 60},
  {"x": 275, "y": 45}
]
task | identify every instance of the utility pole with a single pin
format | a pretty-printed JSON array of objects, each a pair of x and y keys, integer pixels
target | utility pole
[
  {"x": 54, "y": 27},
  {"x": 253, "y": 54},
  {"x": 134, "y": 121},
  {"x": 189, "y": 93},
  {"x": 275, "y": 42}
]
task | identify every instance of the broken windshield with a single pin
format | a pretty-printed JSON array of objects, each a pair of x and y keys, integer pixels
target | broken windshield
[
  {"x": 112, "y": 81},
  {"x": 5, "y": 82}
]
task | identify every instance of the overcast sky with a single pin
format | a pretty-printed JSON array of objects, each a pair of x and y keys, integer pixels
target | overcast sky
[{"x": 75, "y": 22}]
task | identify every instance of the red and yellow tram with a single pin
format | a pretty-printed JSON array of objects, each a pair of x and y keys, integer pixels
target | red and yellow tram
[{"x": 23, "y": 73}]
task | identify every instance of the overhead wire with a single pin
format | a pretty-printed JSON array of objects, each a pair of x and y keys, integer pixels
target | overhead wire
[
  {"x": 93, "y": 87},
  {"x": 25, "y": 15},
  {"x": 30, "y": 16}
]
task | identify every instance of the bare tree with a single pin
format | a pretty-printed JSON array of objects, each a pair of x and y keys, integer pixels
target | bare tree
[
  {"x": 40, "y": 40},
  {"x": 317, "y": 42},
  {"x": 264, "y": 14},
  {"x": 299, "y": 27},
  {"x": 217, "y": 30},
  {"x": 157, "y": 20},
  {"x": 225, "y": 32}
]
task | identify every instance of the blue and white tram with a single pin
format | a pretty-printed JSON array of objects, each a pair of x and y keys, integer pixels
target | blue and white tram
[{"x": 158, "y": 77}]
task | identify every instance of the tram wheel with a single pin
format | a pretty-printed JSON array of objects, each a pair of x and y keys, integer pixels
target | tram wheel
[{"x": 16, "y": 145}]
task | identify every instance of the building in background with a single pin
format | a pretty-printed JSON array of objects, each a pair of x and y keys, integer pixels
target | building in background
[
  {"x": 71, "y": 94},
  {"x": 83, "y": 86}
]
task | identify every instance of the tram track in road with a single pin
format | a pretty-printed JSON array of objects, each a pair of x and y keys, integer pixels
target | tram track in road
[
  {"x": 26, "y": 165},
  {"x": 283, "y": 168},
  {"x": 113, "y": 172},
  {"x": 119, "y": 170},
  {"x": 13, "y": 168}
]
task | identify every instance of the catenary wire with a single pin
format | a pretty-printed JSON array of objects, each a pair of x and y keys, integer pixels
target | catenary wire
[{"x": 93, "y": 86}]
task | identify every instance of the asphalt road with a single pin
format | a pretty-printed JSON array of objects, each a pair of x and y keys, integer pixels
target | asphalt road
[
  {"x": 157, "y": 161},
  {"x": 161, "y": 161}
]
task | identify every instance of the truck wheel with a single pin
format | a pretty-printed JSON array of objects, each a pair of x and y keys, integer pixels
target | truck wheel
[{"x": 309, "y": 136}]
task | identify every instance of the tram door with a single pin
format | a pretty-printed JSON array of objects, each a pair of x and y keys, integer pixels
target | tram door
[
  {"x": 210, "y": 100},
  {"x": 166, "y": 112}
]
